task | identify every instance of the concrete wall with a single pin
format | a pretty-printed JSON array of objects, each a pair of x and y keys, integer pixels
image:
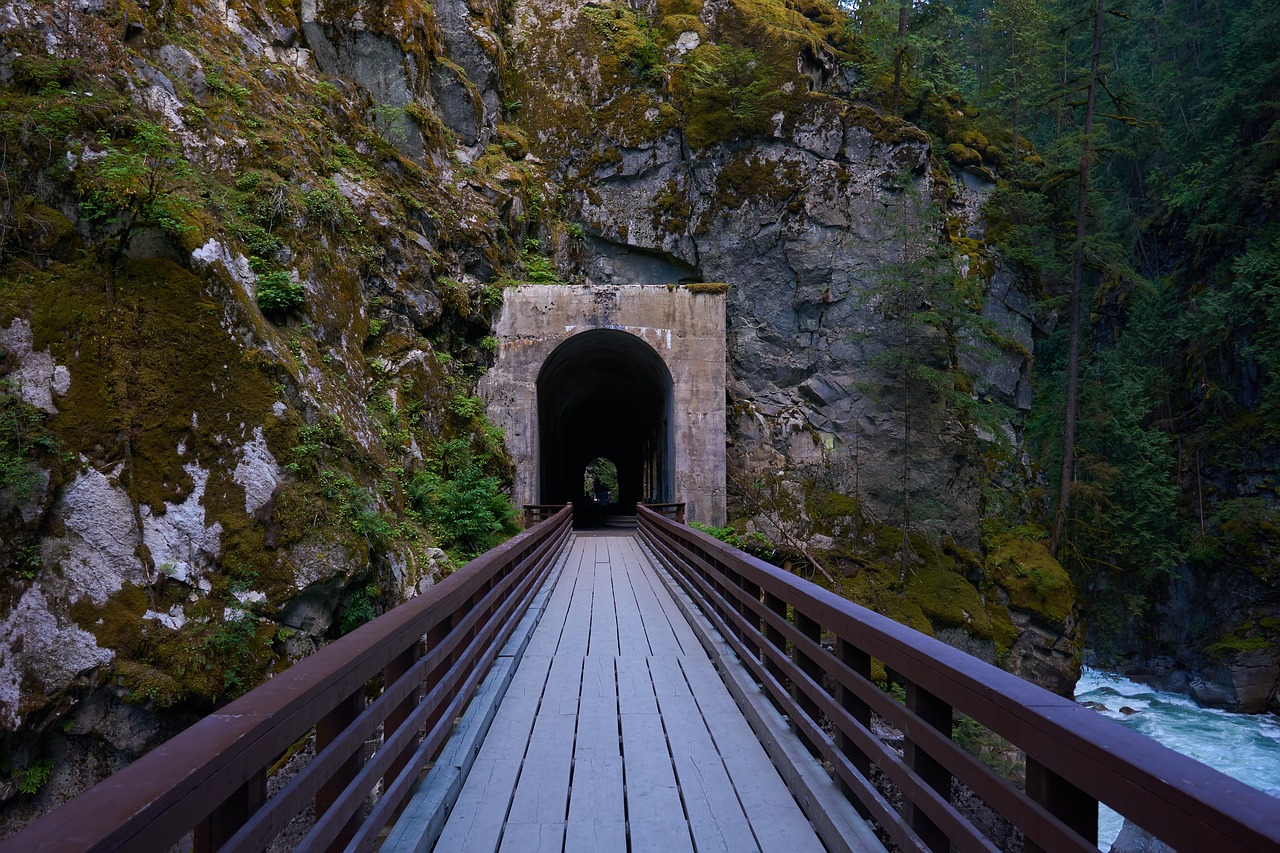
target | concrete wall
[{"x": 686, "y": 329}]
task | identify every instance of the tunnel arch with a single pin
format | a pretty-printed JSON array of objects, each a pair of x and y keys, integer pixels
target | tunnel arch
[{"x": 605, "y": 393}]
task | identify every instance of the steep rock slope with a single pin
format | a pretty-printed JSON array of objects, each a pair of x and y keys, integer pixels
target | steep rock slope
[
  {"x": 250, "y": 252},
  {"x": 722, "y": 142}
]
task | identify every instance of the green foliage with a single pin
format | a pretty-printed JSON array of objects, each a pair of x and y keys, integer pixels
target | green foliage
[
  {"x": 355, "y": 506},
  {"x": 753, "y": 543},
  {"x": 142, "y": 181},
  {"x": 34, "y": 776},
  {"x": 278, "y": 293},
  {"x": 360, "y": 608},
  {"x": 234, "y": 643},
  {"x": 327, "y": 206},
  {"x": 217, "y": 84},
  {"x": 462, "y": 504},
  {"x": 23, "y": 440},
  {"x": 538, "y": 268},
  {"x": 630, "y": 38},
  {"x": 727, "y": 92}
]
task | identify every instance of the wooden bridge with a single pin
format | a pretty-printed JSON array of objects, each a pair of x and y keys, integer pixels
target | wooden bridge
[{"x": 655, "y": 690}]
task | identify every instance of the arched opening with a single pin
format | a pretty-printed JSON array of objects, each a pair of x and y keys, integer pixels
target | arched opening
[{"x": 605, "y": 393}]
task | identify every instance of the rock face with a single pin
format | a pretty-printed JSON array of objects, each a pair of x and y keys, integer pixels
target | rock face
[
  {"x": 242, "y": 385},
  {"x": 1216, "y": 638}
]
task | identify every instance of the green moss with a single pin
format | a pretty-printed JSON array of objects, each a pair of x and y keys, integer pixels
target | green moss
[
  {"x": 1033, "y": 579},
  {"x": 884, "y": 128},
  {"x": 672, "y": 26},
  {"x": 707, "y": 287},
  {"x": 1230, "y": 644},
  {"x": 750, "y": 177}
]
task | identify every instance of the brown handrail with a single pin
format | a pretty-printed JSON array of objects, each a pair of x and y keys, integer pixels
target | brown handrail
[
  {"x": 673, "y": 511},
  {"x": 420, "y": 663},
  {"x": 779, "y": 625},
  {"x": 538, "y": 513}
]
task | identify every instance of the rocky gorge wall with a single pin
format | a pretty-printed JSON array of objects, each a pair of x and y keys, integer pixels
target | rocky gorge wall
[{"x": 251, "y": 255}]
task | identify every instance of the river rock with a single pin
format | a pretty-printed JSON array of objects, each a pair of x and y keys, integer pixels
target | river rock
[{"x": 1135, "y": 839}]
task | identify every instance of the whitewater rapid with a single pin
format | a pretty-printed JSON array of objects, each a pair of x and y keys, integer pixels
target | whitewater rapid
[{"x": 1244, "y": 746}]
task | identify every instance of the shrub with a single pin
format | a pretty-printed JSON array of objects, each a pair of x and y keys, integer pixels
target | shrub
[
  {"x": 464, "y": 506},
  {"x": 278, "y": 293}
]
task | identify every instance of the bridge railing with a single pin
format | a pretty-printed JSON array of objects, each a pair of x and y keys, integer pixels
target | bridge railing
[
  {"x": 812, "y": 653},
  {"x": 673, "y": 511},
  {"x": 538, "y": 513},
  {"x": 398, "y": 682}
]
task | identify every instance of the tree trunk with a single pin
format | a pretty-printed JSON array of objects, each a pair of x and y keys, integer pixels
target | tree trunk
[
  {"x": 899, "y": 54},
  {"x": 1013, "y": 63},
  {"x": 1077, "y": 278}
]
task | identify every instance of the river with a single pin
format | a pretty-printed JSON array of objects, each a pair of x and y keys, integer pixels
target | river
[{"x": 1244, "y": 746}]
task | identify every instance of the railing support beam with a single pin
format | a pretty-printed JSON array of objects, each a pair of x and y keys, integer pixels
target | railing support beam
[
  {"x": 215, "y": 830},
  {"x": 936, "y": 713},
  {"x": 328, "y": 729},
  {"x": 1064, "y": 801}
]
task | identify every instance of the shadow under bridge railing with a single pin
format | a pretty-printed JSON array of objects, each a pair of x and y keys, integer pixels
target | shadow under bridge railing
[
  {"x": 399, "y": 682},
  {"x": 812, "y": 651}
]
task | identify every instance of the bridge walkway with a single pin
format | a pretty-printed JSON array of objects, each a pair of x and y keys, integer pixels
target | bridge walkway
[{"x": 617, "y": 733}]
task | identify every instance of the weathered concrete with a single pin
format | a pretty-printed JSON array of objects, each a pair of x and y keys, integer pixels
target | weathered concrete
[{"x": 685, "y": 329}]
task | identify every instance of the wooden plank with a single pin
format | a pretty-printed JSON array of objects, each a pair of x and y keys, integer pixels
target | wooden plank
[
  {"x": 577, "y": 624},
  {"x": 833, "y": 817},
  {"x": 604, "y": 615},
  {"x": 597, "y": 816},
  {"x": 635, "y": 687},
  {"x": 597, "y": 735},
  {"x": 668, "y": 677},
  {"x": 509, "y": 734},
  {"x": 564, "y": 681},
  {"x": 476, "y": 823},
  {"x": 532, "y": 838},
  {"x": 632, "y": 639},
  {"x": 654, "y": 811},
  {"x": 679, "y": 624},
  {"x": 547, "y": 636},
  {"x": 542, "y": 793},
  {"x": 716, "y": 818},
  {"x": 657, "y": 625}
]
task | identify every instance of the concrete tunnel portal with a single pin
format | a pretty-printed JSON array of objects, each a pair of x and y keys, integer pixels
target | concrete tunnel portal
[
  {"x": 630, "y": 373},
  {"x": 605, "y": 393}
]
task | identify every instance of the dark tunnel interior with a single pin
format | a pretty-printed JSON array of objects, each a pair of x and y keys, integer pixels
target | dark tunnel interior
[{"x": 605, "y": 393}]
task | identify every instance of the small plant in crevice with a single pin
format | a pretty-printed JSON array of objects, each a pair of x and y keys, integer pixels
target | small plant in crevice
[
  {"x": 278, "y": 293},
  {"x": 360, "y": 608},
  {"x": 34, "y": 776}
]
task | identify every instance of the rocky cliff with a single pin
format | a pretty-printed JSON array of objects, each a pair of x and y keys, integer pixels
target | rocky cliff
[{"x": 250, "y": 255}]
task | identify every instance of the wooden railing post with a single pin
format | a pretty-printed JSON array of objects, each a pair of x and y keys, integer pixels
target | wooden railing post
[
  {"x": 1065, "y": 801},
  {"x": 329, "y": 727},
  {"x": 776, "y": 637},
  {"x": 751, "y": 617},
  {"x": 392, "y": 674},
  {"x": 215, "y": 830},
  {"x": 809, "y": 667},
  {"x": 937, "y": 713},
  {"x": 435, "y": 636},
  {"x": 860, "y": 662}
]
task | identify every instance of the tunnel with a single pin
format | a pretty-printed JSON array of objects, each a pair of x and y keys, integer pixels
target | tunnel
[{"x": 605, "y": 393}]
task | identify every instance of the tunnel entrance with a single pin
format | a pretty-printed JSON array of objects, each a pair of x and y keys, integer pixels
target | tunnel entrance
[{"x": 606, "y": 394}]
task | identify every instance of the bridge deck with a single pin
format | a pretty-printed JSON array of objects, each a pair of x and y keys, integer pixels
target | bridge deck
[{"x": 617, "y": 733}]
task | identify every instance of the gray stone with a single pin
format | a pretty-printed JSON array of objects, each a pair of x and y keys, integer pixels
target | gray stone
[
  {"x": 180, "y": 544},
  {"x": 41, "y": 654},
  {"x": 1135, "y": 839}
]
